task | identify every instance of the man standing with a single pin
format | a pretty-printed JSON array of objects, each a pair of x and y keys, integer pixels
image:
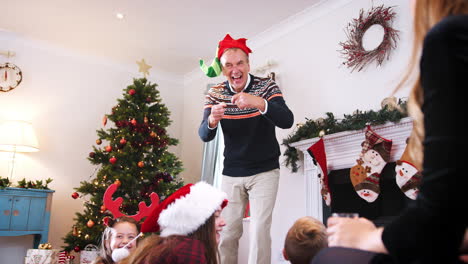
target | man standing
[{"x": 248, "y": 109}]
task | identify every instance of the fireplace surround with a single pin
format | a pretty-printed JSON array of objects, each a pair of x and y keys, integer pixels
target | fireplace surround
[{"x": 342, "y": 149}]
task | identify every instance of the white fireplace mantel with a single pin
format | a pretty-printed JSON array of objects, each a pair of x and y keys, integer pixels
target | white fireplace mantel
[{"x": 342, "y": 150}]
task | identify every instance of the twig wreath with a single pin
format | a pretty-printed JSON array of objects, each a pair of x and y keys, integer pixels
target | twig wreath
[{"x": 356, "y": 57}]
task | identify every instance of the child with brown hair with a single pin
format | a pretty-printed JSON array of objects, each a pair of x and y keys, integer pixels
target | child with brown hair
[
  {"x": 304, "y": 239},
  {"x": 189, "y": 222}
]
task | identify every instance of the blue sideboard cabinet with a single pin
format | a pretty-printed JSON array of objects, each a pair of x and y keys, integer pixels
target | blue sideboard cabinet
[{"x": 25, "y": 212}]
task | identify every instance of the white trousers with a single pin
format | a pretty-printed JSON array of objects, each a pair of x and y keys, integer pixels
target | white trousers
[{"x": 260, "y": 190}]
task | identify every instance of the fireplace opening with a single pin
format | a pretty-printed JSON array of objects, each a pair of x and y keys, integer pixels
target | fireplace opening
[{"x": 390, "y": 203}]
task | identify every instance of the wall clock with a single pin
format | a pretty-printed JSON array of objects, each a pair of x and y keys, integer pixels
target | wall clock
[{"x": 10, "y": 76}]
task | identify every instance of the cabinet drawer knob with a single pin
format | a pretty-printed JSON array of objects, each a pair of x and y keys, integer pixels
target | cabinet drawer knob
[
  {"x": 15, "y": 213},
  {"x": 6, "y": 212}
]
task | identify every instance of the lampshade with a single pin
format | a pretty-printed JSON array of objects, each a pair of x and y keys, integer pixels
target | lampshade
[{"x": 17, "y": 136}]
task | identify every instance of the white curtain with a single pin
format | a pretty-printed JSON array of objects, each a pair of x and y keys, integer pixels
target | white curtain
[{"x": 212, "y": 163}]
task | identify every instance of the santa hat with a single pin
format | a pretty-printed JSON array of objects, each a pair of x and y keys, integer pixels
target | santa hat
[
  {"x": 317, "y": 151},
  {"x": 406, "y": 157},
  {"x": 184, "y": 211},
  {"x": 378, "y": 143},
  {"x": 228, "y": 42}
]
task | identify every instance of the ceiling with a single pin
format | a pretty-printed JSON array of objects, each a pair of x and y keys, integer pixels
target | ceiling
[{"x": 170, "y": 35}]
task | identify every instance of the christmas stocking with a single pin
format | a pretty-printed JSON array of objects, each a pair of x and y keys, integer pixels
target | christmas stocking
[
  {"x": 365, "y": 175},
  {"x": 407, "y": 175},
  {"x": 317, "y": 151}
]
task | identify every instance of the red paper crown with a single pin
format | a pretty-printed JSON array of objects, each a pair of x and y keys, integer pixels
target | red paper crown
[{"x": 228, "y": 42}]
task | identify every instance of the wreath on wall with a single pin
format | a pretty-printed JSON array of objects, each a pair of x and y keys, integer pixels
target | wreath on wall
[{"x": 356, "y": 57}]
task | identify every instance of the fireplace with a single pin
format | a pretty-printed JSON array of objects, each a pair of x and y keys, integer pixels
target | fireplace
[{"x": 342, "y": 150}]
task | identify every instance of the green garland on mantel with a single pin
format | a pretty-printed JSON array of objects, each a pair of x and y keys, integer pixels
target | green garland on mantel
[{"x": 329, "y": 125}]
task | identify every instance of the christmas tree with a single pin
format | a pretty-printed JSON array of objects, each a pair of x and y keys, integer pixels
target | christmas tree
[{"x": 132, "y": 154}]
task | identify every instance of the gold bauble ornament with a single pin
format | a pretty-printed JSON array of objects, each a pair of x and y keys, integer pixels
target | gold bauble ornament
[
  {"x": 390, "y": 103},
  {"x": 90, "y": 223}
]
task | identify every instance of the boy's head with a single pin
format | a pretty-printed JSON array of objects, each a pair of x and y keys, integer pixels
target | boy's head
[{"x": 304, "y": 239}]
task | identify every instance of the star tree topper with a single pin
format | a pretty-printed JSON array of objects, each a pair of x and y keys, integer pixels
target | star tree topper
[{"x": 144, "y": 68}]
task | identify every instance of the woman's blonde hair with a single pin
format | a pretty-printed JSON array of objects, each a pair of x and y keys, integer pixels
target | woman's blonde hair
[{"x": 427, "y": 13}]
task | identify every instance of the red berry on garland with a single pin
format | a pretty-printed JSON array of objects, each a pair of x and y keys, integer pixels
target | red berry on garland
[
  {"x": 113, "y": 160},
  {"x": 141, "y": 164},
  {"x": 77, "y": 249},
  {"x": 92, "y": 154},
  {"x": 134, "y": 122},
  {"x": 90, "y": 223},
  {"x": 98, "y": 141},
  {"x": 75, "y": 195},
  {"x": 131, "y": 92},
  {"x": 109, "y": 148},
  {"x": 117, "y": 182},
  {"x": 123, "y": 141}
]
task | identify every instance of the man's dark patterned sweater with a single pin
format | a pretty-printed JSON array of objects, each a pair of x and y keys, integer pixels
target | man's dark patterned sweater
[{"x": 250, "y": 141}]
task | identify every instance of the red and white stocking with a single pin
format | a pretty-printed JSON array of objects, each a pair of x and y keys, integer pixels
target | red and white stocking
[
  {"x": 365, "y": 175},
  {"x": 317, "y": 152},
  {"x": 407, "y": 175}
]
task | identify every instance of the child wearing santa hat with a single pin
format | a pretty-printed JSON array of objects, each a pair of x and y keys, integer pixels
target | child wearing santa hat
[{"x": 189, "y": 222}]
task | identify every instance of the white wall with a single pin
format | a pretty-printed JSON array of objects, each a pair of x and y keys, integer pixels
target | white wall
[
  {"x": 66, "y": 95},
  {"x": 309, "y": 72}
]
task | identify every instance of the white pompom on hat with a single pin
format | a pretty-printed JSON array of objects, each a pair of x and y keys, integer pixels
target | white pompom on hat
[{"x": 184, "y": 211}]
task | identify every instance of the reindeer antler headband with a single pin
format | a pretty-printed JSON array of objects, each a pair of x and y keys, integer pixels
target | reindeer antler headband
[{"x": 114, "y": 205}]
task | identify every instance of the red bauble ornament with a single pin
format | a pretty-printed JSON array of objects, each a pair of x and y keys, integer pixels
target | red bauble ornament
[
  {"x": 108, "y": 148},
  {"x": 113, "y": 160},
  {"x": 131, "y": 92},
  {"x": 153, "y": 134},
  {"x": 98, "y": 141},
  {"x": 92, "y": 154},
  {"x": 90, "y": 223},
  {"x": 149, "y": 99},
  {"x": 118, "y": 183},
  {"x": 106, "y": 220},
  {"x": 103, "y": 208},
  {"x": 75, "y": 195},
  {"x": 134, "y": 122},
  {"x": 77, "y": 249},
  {"x": 123, "y": 141},
  {"x": 141, "y": 164}
]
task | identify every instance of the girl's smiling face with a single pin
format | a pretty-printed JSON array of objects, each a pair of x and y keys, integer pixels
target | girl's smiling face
[
  {"x": 122, "y": 233},
  {"x": 219, "y": 224}
]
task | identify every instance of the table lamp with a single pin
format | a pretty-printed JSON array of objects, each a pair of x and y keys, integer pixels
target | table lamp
[{"x": 17, "y": 136}]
